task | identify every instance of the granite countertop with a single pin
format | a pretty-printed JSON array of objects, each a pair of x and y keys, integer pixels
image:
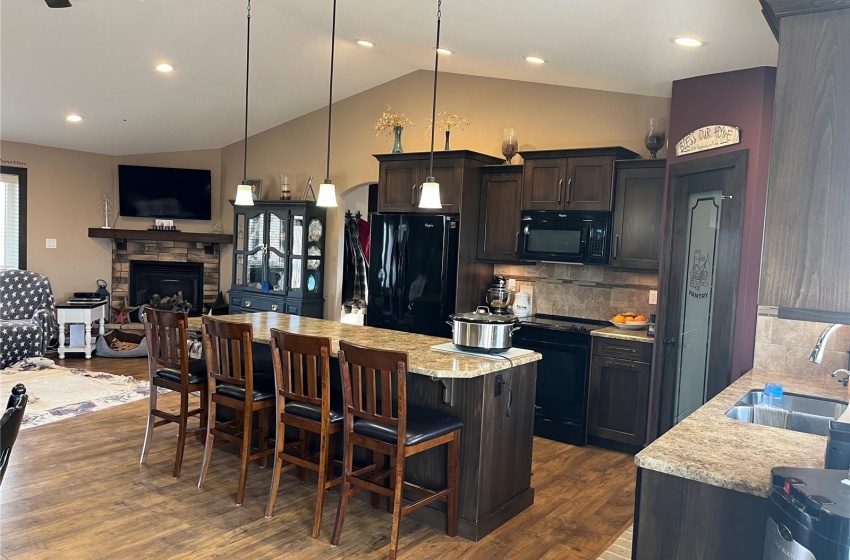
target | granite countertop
[
  {"x": 623, "y": 334},
  {"x": 711, "y": 448},
  {"x": 423, "y": 360}
]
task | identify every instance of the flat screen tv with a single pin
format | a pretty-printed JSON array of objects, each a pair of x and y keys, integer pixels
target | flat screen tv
[{"x": 164, "y": 192}]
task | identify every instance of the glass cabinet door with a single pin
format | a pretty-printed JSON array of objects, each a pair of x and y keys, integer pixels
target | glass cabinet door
[
  {"x": 276, "y": 254},
  {"x": 254, "y": 250},
  {"x": 315, "y": 259},
  {"x": 296, "y": 268}
]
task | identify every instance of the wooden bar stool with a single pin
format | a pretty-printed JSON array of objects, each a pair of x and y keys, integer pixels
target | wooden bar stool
[
  {"x": 170, "y": 367},
  {"x": 234, "y": 384},
  {"x": 304, "y": 401},
  {"x": 377, "y": 417}
]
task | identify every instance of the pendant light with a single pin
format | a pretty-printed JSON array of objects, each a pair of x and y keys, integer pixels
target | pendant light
[
  {"x": 327, "y": 190},
  {"x": 243, "y": 191},
  {"x": 430, "y": 197}
]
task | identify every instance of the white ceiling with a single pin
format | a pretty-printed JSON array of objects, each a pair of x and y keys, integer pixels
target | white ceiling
[{"x": 97, "y": 57}]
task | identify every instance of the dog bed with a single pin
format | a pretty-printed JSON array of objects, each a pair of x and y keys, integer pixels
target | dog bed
[{"x": 105, "y": 346}]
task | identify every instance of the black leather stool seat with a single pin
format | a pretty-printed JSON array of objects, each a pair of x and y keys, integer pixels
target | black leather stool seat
[
  {"x": 422, "y": 424},
  {"x": 263, "y": 388},
  {"x": 313, "y": 412},
  {"x": 197, "y": 372}
]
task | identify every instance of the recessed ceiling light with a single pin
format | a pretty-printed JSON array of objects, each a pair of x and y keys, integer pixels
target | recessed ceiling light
[
  {"x": 441, "y": 50},
  {"x": 365, "y": 43},
  {"x": 164, "y": 67},
  {"x": 687, "y": 41},
  {"x": 73, "y": 118},
  {"x": 535, "y": 59}
]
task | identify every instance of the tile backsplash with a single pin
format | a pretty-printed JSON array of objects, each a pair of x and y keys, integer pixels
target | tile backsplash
[
  {"x": 591, "y": 292},
  {"x": 785, "y": 345}
]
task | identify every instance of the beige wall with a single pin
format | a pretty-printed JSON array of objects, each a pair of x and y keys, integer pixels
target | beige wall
[
  {"x": 785, "y": 345},
  {"x": 544, "y": 116},
  {"x": 65, "y": 185},
  {"x": 64, "y": 190}
]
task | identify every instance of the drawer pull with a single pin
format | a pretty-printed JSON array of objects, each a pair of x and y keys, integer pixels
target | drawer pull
[
  {"x": 618, "y": 363},
  {"x": 274, "y": 307},
  {"x": 247, "y": 303},
  {"x": 622, "y": 349}
]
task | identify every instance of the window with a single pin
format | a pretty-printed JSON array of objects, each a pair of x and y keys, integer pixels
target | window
[{"x": 13, "y": 213}]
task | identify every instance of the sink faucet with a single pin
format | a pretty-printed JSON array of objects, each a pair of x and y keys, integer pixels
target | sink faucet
[{"x": 820, "y": 345}]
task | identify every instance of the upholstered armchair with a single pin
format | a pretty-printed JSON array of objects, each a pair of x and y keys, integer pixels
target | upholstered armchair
[{"x": 27, "y": 315}]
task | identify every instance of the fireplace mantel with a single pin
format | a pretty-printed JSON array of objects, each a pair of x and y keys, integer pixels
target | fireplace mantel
[{"x": 160, "y": 235}]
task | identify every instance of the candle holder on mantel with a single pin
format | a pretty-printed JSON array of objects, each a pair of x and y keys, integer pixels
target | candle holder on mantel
[{"x": 656, "y": 136}]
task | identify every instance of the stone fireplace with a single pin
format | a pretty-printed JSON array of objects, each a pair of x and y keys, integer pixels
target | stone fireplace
[{"x": 167, "y": 259}]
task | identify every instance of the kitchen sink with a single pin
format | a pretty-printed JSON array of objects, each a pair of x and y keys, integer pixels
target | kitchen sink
[{"x": 799, "y": 413}]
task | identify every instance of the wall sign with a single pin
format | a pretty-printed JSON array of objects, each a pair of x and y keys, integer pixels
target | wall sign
[{"x": 708, "y": 138}]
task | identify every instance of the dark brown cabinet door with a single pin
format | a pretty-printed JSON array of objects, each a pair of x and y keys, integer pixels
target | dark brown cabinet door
[
  {"x": 636, "y": 235},
  {"x": 543, "y": 184},
  {"x": 589, "y": 183},
  {"x": 449, "y": 174},
  {"x": 498, "y": 225},
  {"x": 618, "y": 400},
  {"x": 399, "y": 186},
  {"x": 806, "y": 261}
]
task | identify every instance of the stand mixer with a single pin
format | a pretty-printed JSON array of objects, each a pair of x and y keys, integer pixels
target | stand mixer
[{"x": 498, "y": 296}]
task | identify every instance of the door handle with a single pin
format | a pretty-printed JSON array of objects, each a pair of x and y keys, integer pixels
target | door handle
[
  {"x": 616, "y": 242},
  {"x": 560, "y": 188},
  {"x": 569, "y": 189}
]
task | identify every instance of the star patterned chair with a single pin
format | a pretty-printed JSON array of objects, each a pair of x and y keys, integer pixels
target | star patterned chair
[{"x": 27, "y": 315}]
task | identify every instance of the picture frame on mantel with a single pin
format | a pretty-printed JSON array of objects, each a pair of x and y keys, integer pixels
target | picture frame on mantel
[{"x": 256, "y": 188}]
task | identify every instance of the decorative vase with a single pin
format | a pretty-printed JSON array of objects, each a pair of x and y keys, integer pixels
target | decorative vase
[
  {"x": 397, "y": 140},
  {"x": 448, "y": 132}
]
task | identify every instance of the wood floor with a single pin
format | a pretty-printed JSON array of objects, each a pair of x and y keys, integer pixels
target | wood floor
[{"x": 75, "y": 489}]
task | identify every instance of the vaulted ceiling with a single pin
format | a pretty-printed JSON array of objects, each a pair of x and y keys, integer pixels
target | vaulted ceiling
[{"x": 97, "y": 58}]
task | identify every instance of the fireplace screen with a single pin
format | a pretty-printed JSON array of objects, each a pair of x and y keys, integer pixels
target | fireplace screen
[{"x": 167, "y": 279}]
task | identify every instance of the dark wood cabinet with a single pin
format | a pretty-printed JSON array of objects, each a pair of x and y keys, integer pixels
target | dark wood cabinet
[
  {"x": 278, "y": 258},
  {"x": 638, "y": 198},
  {"x": 806, "y": 262},
  {"x": 580, "y": 179},
  {"x": 498, "y": 223},
  {"x": 401, "y": 177},
  {"x": 618, "y": 396}
]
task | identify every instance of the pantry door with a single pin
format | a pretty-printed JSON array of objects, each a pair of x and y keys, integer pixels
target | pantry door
[{"x": 699, "y": 282}]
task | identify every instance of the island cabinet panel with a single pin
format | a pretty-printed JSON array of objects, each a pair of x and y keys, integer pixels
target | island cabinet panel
[
  {"x": 806, "y": 261},
  {"x": 498, "y": 224},
  {"x": 496, "y": 444},
  {"x": 580, "y": 179},
  {"x": 680, "y": 519},
  {"x": 638, "y": 199},
  {"x": 400, "y": 178},
  {"x": 618, "y": 393}
]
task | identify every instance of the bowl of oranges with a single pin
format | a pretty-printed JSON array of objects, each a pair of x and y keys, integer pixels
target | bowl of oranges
[{"x": 629, "y": 321}]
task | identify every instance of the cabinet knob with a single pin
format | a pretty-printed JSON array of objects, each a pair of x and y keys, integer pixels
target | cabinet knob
[
  {"x": 247, "y": 303},
  {"x": 274, "y": 307}
]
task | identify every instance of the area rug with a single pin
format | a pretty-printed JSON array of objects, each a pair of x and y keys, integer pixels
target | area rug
[{"x": 56, "y": 392}]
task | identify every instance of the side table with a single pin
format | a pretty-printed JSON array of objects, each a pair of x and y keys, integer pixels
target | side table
[{"x": 84, "y": 313}]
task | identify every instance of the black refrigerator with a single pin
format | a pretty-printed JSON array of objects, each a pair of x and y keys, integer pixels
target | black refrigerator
[{"x": 413, "y": 272}]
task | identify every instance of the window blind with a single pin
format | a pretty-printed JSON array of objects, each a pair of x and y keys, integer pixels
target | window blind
[{"x": 10, "y": 231}]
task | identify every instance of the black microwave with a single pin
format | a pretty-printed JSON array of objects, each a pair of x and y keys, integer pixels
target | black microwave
[{"x": 564, "y": 236}]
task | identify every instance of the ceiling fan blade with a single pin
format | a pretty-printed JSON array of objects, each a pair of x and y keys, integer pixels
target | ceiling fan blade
[{"x": 58, "y": 3}]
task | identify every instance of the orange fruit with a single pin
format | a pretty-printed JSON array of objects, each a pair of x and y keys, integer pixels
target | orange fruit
[
  {"x": 618, "y": 319},
  {"x": 630, "y": 319},
  {"x": 640, "y": 318}
]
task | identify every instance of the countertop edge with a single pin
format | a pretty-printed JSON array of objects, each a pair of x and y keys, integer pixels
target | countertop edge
[{"x": 620, "y": 334}]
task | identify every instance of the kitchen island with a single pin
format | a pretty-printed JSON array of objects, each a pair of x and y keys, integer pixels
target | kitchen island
[
  {"x": 493, "y": 396},
  {"x": 702, "y": 488}
]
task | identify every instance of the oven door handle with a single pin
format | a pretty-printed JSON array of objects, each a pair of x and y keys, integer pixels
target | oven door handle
[{"x": 521, "y": 341}]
